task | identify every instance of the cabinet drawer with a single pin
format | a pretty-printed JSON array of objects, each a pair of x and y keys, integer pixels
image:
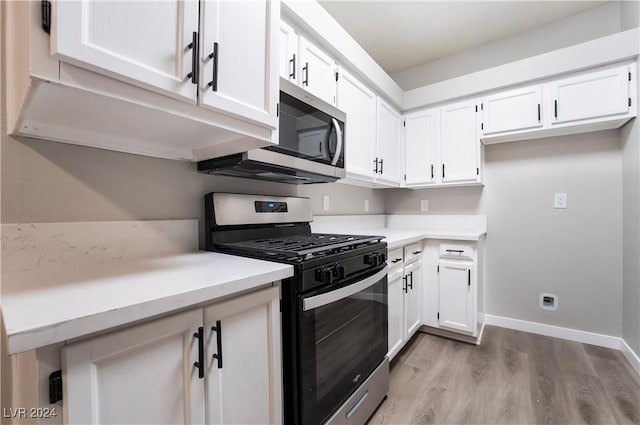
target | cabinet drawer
[
  {"x": 412, "y": 252},
  {"x": 395, "y": 257},
  {"x": 456, "y": 250}
]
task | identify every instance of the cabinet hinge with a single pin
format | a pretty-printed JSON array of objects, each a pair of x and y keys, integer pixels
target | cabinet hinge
[
  {"x": 336, "y": 75},
  {"x": 438, "y": 315},
  {"x": 46, "y": 16},
  {"x": 629, "y": 101},
  {"x": 55, "y": 386}
]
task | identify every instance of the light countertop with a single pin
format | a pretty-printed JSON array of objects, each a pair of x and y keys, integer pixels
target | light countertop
[
  {"x": 399, "y": 237},
  {"x": 48, "y": 305}
]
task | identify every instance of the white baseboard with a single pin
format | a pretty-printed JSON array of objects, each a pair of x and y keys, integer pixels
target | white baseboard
[
  {"x": 632, "y": 357},
  {"x": 555, "y": 331}
]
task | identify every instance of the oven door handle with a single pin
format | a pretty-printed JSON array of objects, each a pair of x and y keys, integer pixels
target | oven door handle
[{"x": 344, "y": 292}]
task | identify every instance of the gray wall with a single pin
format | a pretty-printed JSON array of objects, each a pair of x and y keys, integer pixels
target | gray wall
[
  {"x": 588, "y": 25},
  {"x": 344, "y": 199},
  {"x": 531, "y": 247},
  {"x": 630, "y": 139},
  {"x": 45, "y": 181}
]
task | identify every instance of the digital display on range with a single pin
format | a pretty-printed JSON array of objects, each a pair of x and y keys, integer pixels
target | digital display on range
[{"x": 270, "y": 206}]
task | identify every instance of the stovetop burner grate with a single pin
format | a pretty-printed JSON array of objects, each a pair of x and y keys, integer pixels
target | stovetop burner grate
[{"x": 300, "y": 245}]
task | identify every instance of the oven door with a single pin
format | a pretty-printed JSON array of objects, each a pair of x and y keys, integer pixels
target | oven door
[{"x": 343, "y": 338}]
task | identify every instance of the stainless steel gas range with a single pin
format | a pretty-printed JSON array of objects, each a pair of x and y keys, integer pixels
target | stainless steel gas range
[{"x": 334, "y": 308}]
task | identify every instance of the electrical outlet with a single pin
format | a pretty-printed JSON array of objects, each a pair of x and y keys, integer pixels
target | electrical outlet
[
  {"x": 560, "y": 200},
  {"x": 424, "y": 205},
  {"x": 325, "y": 202},
  {"x": 366, "y": 205}
]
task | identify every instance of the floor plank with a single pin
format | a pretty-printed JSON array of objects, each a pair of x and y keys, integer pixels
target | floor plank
[{"x": 512, "y": 378}]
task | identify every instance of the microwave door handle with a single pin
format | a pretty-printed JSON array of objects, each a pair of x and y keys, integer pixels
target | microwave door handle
[
  {"x": 339, "y": 142},
  {"x": 342, "y": 293}
]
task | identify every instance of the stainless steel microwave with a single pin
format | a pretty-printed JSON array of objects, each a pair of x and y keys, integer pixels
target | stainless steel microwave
[{"x": 310, "y": 145}]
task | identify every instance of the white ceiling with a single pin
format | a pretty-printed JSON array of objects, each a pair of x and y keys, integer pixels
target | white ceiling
[{"x": 403, "y": 34}]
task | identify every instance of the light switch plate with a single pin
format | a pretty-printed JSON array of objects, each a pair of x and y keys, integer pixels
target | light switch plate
[
  {"x": 424, "y": 205},
  {"x": 325, "y": 202},
  {"x": 560, "y": 200}
]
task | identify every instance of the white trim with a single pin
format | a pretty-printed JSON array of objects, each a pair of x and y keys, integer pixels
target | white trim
[
  {"x": 631, "y": 356},
  {"x": 555, "y": 331}
]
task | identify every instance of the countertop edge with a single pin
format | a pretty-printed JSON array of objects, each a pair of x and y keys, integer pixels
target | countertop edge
[{"x": 38, "y": 337}]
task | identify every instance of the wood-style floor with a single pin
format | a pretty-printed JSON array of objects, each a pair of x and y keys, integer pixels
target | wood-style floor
[{"x": 512, "y": 378}]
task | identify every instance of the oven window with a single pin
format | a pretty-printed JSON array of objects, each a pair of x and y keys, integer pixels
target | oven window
[{"x": 343, "y": 342}]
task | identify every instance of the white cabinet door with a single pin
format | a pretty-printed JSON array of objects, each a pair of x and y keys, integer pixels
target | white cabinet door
[
  {"x": 412, "y": 299},
  {"x": 141, "y": 375},
  {"x": 239, "y": 70},
  {"x": 421, "y": 138},
  {"x": 317, "y": 71},
  {"x": 243, "y": 380},
  {"x": 144, "y": 43},
  {"x": 455, "y": 295},
  {"x": 459, "y": 142},
  {"x": 288, "y": 53},
  {"x": 512, "y": 110},
  {"x": 389, "y": 141},
  {"x": 359, "y": 103},
  {"x": 591, "y": 95},
  {"x": 396, "y": 290}
]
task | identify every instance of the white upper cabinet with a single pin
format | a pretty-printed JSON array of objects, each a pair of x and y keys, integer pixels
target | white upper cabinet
[
  {"x": 389, "y": 132},
  {"x": 512, "y": 110},
  {"x": 422, "y": 139},
  {"x": 316, "y": 71},
  {"x": 239, "y": 68},
  {"x": 145, "y": 43},
  {"x": 288, "y": 53},
  {"x": 591, "y": 95},
  {"x": 144, "y": 375},
  {"x": 460, "y": 144},
  {"x": 359, "y": 103}
]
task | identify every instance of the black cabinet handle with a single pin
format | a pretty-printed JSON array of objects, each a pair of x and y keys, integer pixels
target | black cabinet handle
[
  {"x": 404, "y": 279},
  {"x": 195, "y": 64},
  {"x": 431, "y": 171},
  {"x": 455, "y": 250},
  {"x": 410, "y": 285},
  {"x": 293, "y": 70},
  {"x": 538, "y": 112},
  {"x": 199, "y": 364},
  {"x": 218, "y": 330},
  {"x": 416, "y": 252},
  {"x": 214, "y": 78},
  {"x": 381, "y": 165},
  {"x": 442, "y": 170},
  {"x": 469, "y": 279},
  {"x": 306, "y": 74},
  {"x": 396, "y": 260},
  {"x": 375, "y": 161},
  {"x": 555, "y": 109}
]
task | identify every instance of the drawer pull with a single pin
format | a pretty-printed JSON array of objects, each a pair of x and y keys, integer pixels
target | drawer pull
[
  {"x": 455, "y": 250},
  {"x": 396, "y": 260},
  {"x": 418, "y": 252}
]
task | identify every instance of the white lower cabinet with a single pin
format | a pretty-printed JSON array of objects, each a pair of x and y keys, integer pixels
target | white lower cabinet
[
  {"x": 453, "y": 300},
  {"x": 156, "y": 372},
  {"x": 455, "y": 295},
  {"x": 405, "y": 294}
]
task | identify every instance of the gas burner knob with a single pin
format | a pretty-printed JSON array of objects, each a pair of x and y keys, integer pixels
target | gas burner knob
[
  {"x": 339, "y": 271},
  {"x": 383, "y": 257},
  {"x": 325, "y": 274},
  {"x": 372, "y": 259}
]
